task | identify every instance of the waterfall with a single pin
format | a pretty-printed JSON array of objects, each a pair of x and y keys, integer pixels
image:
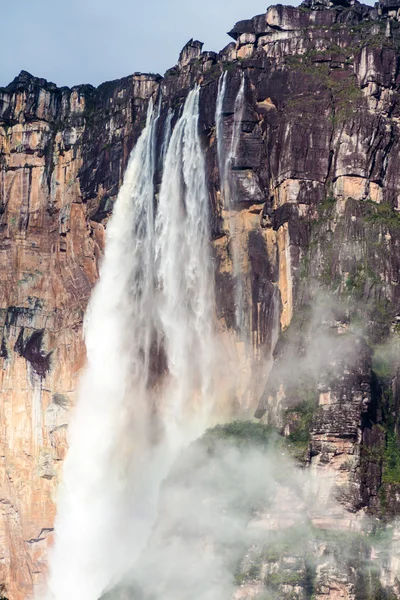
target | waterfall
[
  {"x": 237, "y": 122},
  {"x": 226, "y": 161},
  {"x": 166, "y": 136},
  {"x": 219, "y": 127},
  {"x": 118, "y": 328},
  {"x": 154, "y": 299},
  {"x": 184, "y": 267}
]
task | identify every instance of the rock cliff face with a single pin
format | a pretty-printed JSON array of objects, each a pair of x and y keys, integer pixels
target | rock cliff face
[
  {"x": 63, "y": 154},
  {"x": 315, "y": 208}
]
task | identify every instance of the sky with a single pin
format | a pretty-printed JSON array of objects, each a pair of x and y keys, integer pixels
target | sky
[{"x": 90, "y": 41}]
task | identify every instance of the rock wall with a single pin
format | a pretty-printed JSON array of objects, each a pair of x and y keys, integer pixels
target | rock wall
[
  {"x": 63, "y": 154},
  {"x": 315, "y": 212}
]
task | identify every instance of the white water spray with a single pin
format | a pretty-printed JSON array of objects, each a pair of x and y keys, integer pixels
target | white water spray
[
  {"x": 118, "y": 327},
  {"x": 237, "y": 123},
  {"x": 226, "y": 161},
  {"x": 185, "y": 272},
  {"x": 166, "y": 135},
  {"x": 219, "y": 127},
  {"x": 155, "y": 294}
]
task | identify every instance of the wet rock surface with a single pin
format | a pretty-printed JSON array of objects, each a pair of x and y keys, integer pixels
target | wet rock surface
[{"x": 316, "y": 184}]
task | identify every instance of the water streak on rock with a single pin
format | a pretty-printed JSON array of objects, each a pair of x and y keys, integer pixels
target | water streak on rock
[{"x": 154, "y": 299}]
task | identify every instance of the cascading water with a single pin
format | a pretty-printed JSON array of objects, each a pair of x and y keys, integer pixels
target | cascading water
[
  {"x": 184, "y": 267},
  {"x": 166, "y": 136},
  {"x": 237, "y": 123},
  {"x": 219, "y": 127},
  {"x": 154, "y": 295},
  {"x": 253, "y": 345},
  {"x": 226, "y": 161},
  {"x": 118, "y": 330}
]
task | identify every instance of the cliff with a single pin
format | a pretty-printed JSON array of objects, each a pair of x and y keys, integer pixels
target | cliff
[{"x": 316, "y": 195}]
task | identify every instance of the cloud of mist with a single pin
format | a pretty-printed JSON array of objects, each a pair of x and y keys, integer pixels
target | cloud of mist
[
  {"x": 318, "y": 347},
  {"x": 244, "y": 520},
  {"x": 238, "y": 519},
  {"x": 212, "y": 493}
]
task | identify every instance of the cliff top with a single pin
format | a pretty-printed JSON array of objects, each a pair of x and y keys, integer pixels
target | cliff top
[{"x": 277, "y": 17}]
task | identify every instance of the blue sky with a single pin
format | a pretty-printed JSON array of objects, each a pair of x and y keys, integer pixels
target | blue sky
[{"x": 91, "y": 41}]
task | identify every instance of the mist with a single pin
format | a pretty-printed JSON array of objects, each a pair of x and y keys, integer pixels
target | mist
[
  {"x": 239, "y": 518},
  {"x": 251, "y": 509}
]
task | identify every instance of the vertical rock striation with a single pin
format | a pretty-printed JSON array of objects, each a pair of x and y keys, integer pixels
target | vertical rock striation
[
  {"x": 63, "y": 153},
  {"x": 316, "y": 210}
]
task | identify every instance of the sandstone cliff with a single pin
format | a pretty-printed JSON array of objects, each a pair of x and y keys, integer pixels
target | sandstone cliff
[{"x": 316, "y": 198}]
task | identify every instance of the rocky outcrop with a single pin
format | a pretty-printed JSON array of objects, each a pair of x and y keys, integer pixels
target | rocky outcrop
[
  {"x": 315, "y": 212},
  {"x": 290, "y": 538},
  {"x": 63, "y": 154}
]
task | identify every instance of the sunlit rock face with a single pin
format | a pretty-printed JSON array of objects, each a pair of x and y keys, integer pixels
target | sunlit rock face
[
  {"x": 315, "y": 184},
  {"x": 58, "y": 176}
]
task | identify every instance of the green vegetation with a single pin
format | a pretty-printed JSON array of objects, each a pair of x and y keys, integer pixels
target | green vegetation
[
  {"x": 327, "y": 205},
  {"x": 384, "y": 365},
  {"x": 391, "y": 459},
  {"x": 253, "y": 572},
  {"x": 300, "y": 416},
  {"x": 369, "y": 587},
  {"x": 382, "y": 214},
  {"x": 304, "y": 414},
  {"x": 243, "y": 433},
  {"x": 229, "y": 66},
  {"x": 345, "y": 93},
  {"x": 358, "y": 278},
  {"x": 355, "y": 282},
  {"x": 284, "y": 577},
  {"x": 30, "y": 277},
  {"x": 304, "y": 267},
  {"x": 269, "y": 564},
  {"x": 356, "y": 275},
  {"x": 289, "y": 560}
]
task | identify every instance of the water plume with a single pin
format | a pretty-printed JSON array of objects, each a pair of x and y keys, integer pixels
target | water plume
[
  {"x": 184, "y": 267},
  {"x": 152, "y": 309},
  {"x": 226, "y": 162},
  {"x": 219, "y": 127}
]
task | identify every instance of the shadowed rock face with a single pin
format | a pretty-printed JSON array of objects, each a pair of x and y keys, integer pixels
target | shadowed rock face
[{"x": 317, "y": 190}]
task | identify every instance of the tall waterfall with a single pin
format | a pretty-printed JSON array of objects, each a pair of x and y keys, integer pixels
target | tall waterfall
[
  {"x": 184, "y": 266},
  {"x": 219, "y": 127},
  {"x": 154, "y": 299},
  {"x": 226, "y": 161},
  {"x": 166, "y": 136},
  {"x": 237, "y": 122}
]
